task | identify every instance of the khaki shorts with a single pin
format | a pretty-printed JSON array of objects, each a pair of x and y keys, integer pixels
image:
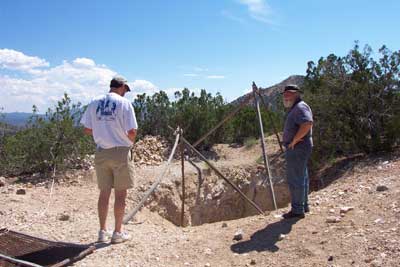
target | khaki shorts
[{"x": 114, "y": 168}]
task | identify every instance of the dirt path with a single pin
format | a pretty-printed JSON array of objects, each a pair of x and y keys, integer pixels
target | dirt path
[{"x": 367, "y": 235}]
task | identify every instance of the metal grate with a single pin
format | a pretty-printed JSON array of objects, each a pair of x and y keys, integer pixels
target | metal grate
[{"x": 17, "y": 249}]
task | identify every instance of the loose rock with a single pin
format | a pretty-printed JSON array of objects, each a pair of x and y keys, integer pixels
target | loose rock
[
  {"x": 64, "y": 217},
  {"x": 238, "y": 235},
  {"x": 346, "y": 209},
  {"x": 381, "y": 188},
  {"x": 21, "y": 191},
  {"x": 333, "y": 219}
]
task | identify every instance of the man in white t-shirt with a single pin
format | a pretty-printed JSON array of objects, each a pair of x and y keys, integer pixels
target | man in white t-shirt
[{"x": 111, "y": 120}]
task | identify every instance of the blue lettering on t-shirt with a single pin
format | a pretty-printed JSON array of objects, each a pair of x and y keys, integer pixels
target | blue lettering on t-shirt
[{"x": 106, "y": 110}]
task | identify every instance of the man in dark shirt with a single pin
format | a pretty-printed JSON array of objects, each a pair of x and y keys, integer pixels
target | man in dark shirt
[{"x": 297, "y": 139}]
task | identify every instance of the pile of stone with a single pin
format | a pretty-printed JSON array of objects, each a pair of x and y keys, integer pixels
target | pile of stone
[
  {"x": 150, "y": 150},
  {"x": 85, "y": 163},
  {"x": 239, "y": 176}
]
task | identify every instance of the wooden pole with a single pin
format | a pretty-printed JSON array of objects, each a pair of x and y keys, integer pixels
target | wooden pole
[
  {"x": 272, "y": 122},
  {"x": 262, "y": 141},
  {"x": 183, "y": 182}
]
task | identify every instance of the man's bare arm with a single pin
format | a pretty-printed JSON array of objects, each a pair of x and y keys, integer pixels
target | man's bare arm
[
  {"x": 132, "y": 135},
  {"x": 88, "y": 131}
]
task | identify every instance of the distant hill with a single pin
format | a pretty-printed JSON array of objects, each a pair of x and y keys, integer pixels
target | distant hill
[
  {"x": 8, "y": 129},
  {"x": 16, "y": 118},
  {"x": 271, "y": 93}
]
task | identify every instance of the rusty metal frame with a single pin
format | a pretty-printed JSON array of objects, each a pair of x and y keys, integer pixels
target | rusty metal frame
[{"x": 87, "y": 249}]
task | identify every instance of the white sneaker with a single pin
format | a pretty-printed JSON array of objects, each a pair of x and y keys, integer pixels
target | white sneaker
[
  {"x": 119, "y": 237},
  {"x": 103, "y": 236}
]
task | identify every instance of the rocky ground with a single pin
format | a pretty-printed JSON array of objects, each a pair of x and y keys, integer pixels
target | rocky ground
[{"x": 354, "y": 221}]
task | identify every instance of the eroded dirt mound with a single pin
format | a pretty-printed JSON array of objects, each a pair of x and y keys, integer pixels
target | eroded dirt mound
[{"x": 209, "y": 198}]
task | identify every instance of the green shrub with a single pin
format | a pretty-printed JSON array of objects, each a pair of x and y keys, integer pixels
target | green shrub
[{"x": 48, "y": 143}]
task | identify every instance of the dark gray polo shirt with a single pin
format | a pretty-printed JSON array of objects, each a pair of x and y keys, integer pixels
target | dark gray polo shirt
[{"x": 297, "y": 115}]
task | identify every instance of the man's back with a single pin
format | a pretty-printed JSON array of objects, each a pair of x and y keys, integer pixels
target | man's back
[{"x": 110, "y": 117}]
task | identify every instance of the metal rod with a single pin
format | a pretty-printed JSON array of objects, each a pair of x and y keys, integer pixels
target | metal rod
[
  {"x": 80, "y": 256},
  {"x": 272, "y": 122},
  {"x": 130, "y": 215},
  {"x": 229, "y": 116},
  {"x": 183, "y": 182},
  {"x": 262, "y": 141},
  {"x": 199, "y": 178},
  {"x": 19, "y": 262},
  {"x": 222, "y": 176}
]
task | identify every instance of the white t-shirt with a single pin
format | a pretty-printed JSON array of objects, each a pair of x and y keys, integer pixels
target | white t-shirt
[{"x": 110, "y": 117}]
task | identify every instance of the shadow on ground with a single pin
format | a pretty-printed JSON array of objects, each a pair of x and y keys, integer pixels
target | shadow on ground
[{"x": 265, "y": 239}]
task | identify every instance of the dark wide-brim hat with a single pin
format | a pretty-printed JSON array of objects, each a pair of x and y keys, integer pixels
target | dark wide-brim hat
[
  {"x": 119, "y": 81},
  {"x": 292, "y": 88}
]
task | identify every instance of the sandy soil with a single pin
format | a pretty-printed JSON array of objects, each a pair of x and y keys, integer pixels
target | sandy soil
[{"x": 366, "y": 235}]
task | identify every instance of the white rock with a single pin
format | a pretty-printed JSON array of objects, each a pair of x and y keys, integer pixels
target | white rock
[
  {"x": 379, "y": 220},
  {"x": 376, "y": 263},
  {"x": 346, "y": 209},
  {"x": 333, "y": 219},
  {"x": 208, "y": 251}
]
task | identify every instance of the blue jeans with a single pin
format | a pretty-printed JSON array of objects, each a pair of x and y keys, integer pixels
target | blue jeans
[{"x": 297, "y": 176}]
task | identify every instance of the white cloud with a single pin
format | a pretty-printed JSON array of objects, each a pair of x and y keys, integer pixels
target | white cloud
[
  {"x": 259, "y": 10},
  {"x": 143, "y": 86},
  {"x": 215, "y": 77},
  {"x": 190, "y": 75},
  {"x": 84, "y": 62},
  {"x": 15, "y": 60},
  {"x": 82, "y": 79}
]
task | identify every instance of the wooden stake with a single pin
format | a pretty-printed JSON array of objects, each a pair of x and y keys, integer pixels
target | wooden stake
[{"x": 262, "y": 141}]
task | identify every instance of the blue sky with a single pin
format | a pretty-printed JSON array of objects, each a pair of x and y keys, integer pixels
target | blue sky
[{"x": 51, "y": 47}]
